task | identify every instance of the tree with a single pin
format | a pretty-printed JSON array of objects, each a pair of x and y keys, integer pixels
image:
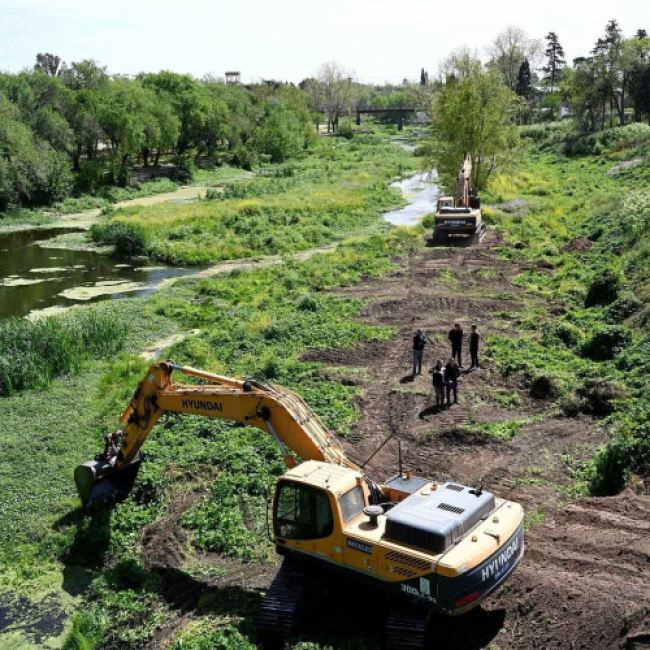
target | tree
[
  {"x": 32, "y": 172},
  {"x": 612, "y": 75},
  {"x": 640, "y": 90},
  {"x": 636, "y": 62},
  {"x": 281, "y": 135},
  {"x": 190, "y": 104},
  {"x": 509, "y": 50},
  {"x": 335, "y": 90},
  {"x": 641, "y": 34},
  {"x": 472, "y": 114},
  {"x": 49, "y": 64},
  {"x": 581, "y": 92},
  {"x": 524, "y": 86},
  {"x": 555, "y": 60}
]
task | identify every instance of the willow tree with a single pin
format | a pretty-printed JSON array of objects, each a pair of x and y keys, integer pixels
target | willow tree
[{"x": 472, "y": 114}]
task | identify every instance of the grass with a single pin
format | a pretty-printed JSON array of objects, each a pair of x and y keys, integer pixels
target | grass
[
  {"x": 336, "y": 189},
  {"x": 503, "y": 430},
  {"x": 33, "y": 353},
  {"x": 595, "y": 290}
]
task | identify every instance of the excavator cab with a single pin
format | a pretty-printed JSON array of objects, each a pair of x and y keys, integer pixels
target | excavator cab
[{"x": 445, "y": 547}]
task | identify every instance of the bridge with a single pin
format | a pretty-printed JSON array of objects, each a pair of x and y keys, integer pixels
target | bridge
[{"x": 398, "y": 111}]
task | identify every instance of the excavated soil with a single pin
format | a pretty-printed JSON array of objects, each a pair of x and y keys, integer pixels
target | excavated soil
[
  {"x": 585, "y": 579},
  {"x": 584, "y": 582}
]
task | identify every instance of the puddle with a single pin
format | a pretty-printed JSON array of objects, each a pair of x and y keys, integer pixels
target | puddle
[
  {"x": 29, "y": 281},
  {"x": 421, "y": 191}
]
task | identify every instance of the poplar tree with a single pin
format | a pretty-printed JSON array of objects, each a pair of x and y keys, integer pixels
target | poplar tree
[
  {"x": 524, "y": 86},
  {"x": 555, "y": 60}
]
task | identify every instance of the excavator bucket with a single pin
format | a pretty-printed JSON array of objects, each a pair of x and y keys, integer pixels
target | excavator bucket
[{"x": 99, "y": 483}]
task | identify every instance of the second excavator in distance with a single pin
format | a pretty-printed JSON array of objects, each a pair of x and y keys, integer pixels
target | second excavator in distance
[
  {"x": 459, "y": 218},
  {"x": 428, "y": 547}
]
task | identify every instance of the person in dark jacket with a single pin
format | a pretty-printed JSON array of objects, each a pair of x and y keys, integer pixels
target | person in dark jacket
[
  {"x": 452, "y": 372},
  {"x": 419, "y": 341},
  {"x": 474, "y": 339},
  {"x": 456, "y": 338},
  {"x": 438, "y": 381}
]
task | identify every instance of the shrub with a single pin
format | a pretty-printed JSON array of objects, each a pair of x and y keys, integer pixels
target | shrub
[
  {"x": 635, "y": 215},
  {"x": 623, "y": 308},
  {"x": 543, "y": 387},
  {"x": 598, "y": 397},
  {"x": 345, "y": 130},
  {"x": 611, "y": 467},
  {"x": 568, "y": 333},
  {"x": 604, "y": 289},
  {"x": 184, "y": 168},
  {"x": 244, "y": 158},
  {"x": 631, "y": 135},
  {"x": 128, "y": 238},
  {"x": 606, "y": 342}
]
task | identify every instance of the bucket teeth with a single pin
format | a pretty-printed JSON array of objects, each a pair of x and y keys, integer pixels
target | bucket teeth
[{"x": 100, "y": 483}]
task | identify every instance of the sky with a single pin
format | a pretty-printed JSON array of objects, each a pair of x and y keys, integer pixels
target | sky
[{"x": 378, "y": 40}]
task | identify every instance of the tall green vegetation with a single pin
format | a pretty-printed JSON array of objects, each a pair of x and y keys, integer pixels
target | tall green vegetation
[
  {"x": 600, "y": 87},
  {"x": 472, "y": 114},
  {"x": 33, "y": 353},
  {"x": 76, "y": 129}
]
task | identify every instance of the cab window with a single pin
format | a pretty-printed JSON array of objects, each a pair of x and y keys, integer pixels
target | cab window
[
  {"x": 302, "y": 512},
  {"x": 352, "y": 504}
]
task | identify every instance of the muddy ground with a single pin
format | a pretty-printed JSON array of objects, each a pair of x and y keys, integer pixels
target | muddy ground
[{"x": 585, "y": 579}]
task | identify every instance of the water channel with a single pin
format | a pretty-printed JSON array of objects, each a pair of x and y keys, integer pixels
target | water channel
[
  {"x": 421, "y": 191},
  {"x": 35, "y": 277}
]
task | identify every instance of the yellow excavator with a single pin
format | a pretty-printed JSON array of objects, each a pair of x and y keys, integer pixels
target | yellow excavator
[
  {"x": 459, "y": 217},
  {"x": 428, "y": 546}
]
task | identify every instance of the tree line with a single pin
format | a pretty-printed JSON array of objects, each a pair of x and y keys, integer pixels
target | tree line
[
  {"x": 476, "y": 106},
  {"x": 75, "y": 129},
  {"x": 607, "y": 87}
]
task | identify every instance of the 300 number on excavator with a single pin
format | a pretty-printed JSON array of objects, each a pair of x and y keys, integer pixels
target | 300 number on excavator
[{"x": 429, "y": 547}]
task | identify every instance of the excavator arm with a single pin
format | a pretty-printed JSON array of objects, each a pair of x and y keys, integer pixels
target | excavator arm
[{"x": 273, "y": 409}]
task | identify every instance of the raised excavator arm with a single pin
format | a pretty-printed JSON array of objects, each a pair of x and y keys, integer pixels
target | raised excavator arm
[
  {"x": 273, "y": 409},
  {"x": 463, "y": 183}
]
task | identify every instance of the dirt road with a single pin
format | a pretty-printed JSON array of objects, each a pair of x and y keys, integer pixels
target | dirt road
[{"x": 585, "y": 579}]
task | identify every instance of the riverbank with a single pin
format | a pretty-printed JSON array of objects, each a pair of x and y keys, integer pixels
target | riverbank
[
  {"x": 288, "y": 210},
  {"x": 183, "y": 561}
]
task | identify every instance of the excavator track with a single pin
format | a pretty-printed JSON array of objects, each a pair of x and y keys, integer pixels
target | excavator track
[
  {"x": 406, "y": 628},
  {"x": 283, "y": 605}
]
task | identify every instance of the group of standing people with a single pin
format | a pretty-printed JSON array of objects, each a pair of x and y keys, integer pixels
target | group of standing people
[{"x": 445, "y": 377}]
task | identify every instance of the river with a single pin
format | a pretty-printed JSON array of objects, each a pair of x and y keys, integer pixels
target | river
[
  {"x": 33, "y": 277},
  {"x": 421, "y": 191}
]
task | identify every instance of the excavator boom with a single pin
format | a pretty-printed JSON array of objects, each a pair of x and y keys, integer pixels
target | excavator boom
[{"x": 274, "y": 409}]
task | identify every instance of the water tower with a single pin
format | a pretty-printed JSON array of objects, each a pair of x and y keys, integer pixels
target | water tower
[{"x": 233, "y": 77}]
